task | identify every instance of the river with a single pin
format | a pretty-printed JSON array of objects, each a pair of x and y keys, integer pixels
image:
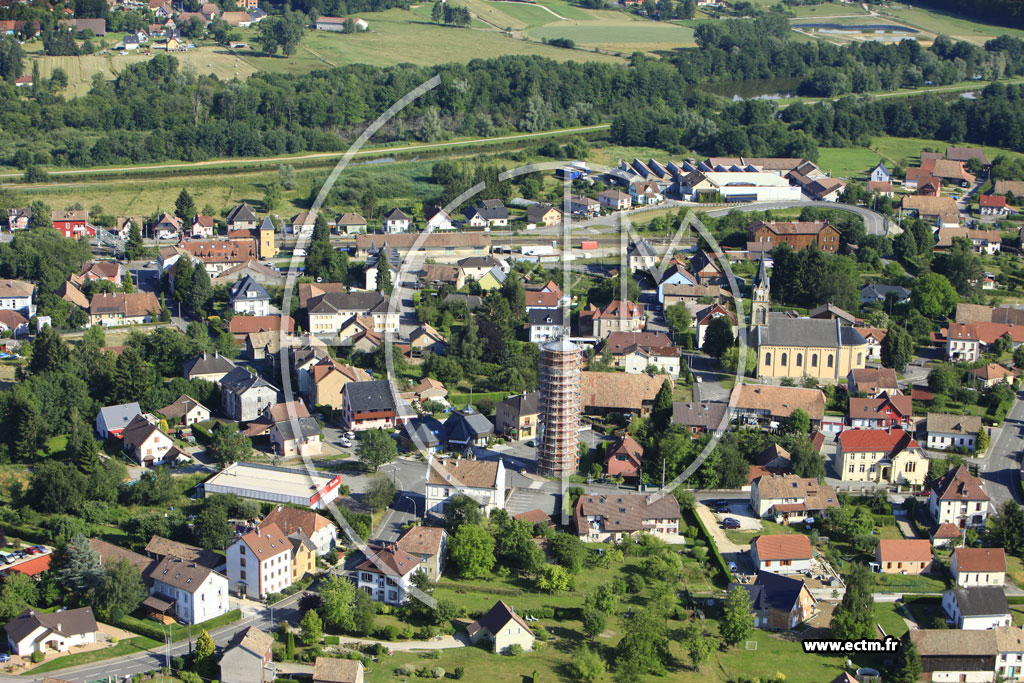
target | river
[{"x": 758, "y": 88}]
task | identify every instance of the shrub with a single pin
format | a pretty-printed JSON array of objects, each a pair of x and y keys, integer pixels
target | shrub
[
  {"x": 515, "y": 649},
  {"x": 432, "y": 654},
  {"x": 541, "y": 633},
  {"x": 437, "y": 672},
  {"x": 177, "y": 663},
  {"x": 406, "y": 632},
  {"x": 406, "y": 670},
  {"x": 37, "y": 657},
  {"x": 459, "y": 672},
  {"x": 635, "y": 583}
]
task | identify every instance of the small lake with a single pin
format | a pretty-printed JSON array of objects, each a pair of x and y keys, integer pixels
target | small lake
[{"x": 754, "y": 89}]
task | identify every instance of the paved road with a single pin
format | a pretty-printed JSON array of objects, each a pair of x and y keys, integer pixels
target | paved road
[
  {"x": 1001, "y": 467},
  {"x": 152, "y": 659}
]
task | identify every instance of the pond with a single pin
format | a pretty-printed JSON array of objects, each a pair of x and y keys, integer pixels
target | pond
[{"x": 757, "y": 88}]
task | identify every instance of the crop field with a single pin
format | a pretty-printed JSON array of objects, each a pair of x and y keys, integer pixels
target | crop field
[
  {"x": 939, "y": 22},
  {"x": 623, "y": 35}
]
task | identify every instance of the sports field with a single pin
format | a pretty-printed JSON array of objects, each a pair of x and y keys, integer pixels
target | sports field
[{"x": 622, "y": 35}]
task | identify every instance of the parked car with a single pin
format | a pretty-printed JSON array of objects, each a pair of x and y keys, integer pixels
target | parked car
[
  {"x": 731, "y": 523},
  {"x": 346, "y": 443},
  {"x": 4, "y": 657},
  {"x": 32, "y": 550},
  {"x": 350, "y": 435}
]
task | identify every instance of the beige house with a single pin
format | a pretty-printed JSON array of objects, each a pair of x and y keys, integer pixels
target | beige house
[
  {"x": 798, "y": 347},
  {"x": 889, "y": 456},
  {"x": 333, "y": 670},
  {"x": 617, "y": 316},
  {"x": 329, "y": 312},
  {"x": 502, "y": 627},
  {"x": 903, "y": 556},
  {"x": 517, "y": 416},
  {"x": 429, "y": 545},
  {"x": 787, "y": 498},
  {"x": 328, "y": 379},
  {"x": 978, "y": 567}
]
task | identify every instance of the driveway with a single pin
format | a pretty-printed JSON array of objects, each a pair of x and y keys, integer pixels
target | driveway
[{"x": 722, "y": 542}]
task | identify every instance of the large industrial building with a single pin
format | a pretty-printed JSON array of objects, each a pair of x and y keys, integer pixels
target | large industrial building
[
  {"x": 275, "y": 484},
  {"x": 560, "y": 375}
]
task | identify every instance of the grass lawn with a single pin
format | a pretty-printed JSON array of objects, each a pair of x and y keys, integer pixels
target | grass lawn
[
  {"x": 847, "y": 162},
  {"x": 461, "y": 400},
  {"x": 907, "y": 151},
  {"x": 621, "y": 35},
  {"x": 124, "y": 647},
  {"x": 925, "y": 610},
  {"x": 1015, "y": 570},
  {"x": 935, "y": 21},
  {"x": 890, "y": 618},
  {"x": 908, "y": 584}
]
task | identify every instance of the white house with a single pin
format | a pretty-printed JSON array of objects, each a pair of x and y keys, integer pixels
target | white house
[
  {"x": 437, "y": 218},
  {"x": 977, "y": 609},
  {"x": 947, "y": 431},
  {"x": 112, "y": 420},
  {"x": 33, "y": 631},
  {"x": 386, "y": 573},
  {"x": 260, "y": 562},
  {"x": 674, "y": 275},
  {"x": 320, "y": 530},
  {"x": 397, "y": 221},
  {"x": 1010, "y": 662},
  {"x": 546, "y": 324},
  {"x": 958, "y": 498},
  {"x": 781, "y": 553},
  {"x": 16, "y": 295},
  {"x": 881, "y": 174},
  {"x": 503, "y": 628},
  {"x": 978, "y": 567},
  {"x": 249, "y": 297},
  {"x": 149, "y": 446},
  {"x": 193, "y": 592},
  {"x": 302, "y": 224},
  {"x": 187, "y": 410},
  {"x": 481, "y": 480}
]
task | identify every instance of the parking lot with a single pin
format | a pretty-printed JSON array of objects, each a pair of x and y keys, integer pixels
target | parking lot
[
  {"x": 11, "y": 558},
  {"x": 741, "y": 512}
]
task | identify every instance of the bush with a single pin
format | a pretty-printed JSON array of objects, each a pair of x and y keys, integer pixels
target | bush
[
  {"x": 37, "y": 657},
  {"x": 459, "y": 672},
  {"x": 331, "y": 640},
  {"x": 437, "y": 672},
  {"x": 635, "y": 583},
  {"x": 514, "y": 650},
  {"x": 406, "y": 670},
  {"x": 542, "y": 634},
  {"x": 432, "y": 654},
  {"x": 177, "y": 663}
]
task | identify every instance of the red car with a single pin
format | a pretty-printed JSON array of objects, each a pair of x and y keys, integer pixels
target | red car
[{"x": 731, "y": 523}]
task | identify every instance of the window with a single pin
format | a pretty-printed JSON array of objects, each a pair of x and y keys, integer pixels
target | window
[
  {"x": 241, "y": 549},
  {"x": 911, "y": 466},
  {"x": 829, "y": 360},
  {"x": 785, "y": 358},
  {"x": 860, "y": 359},
  {"x": 786, "y": 563},
  {"x": 799, "y": 360},
  {"x": 241, "y": 561},
  {"x": 767, "y": 359},
  {"x": 814, "y": 360},
  {"x": 242, "y": 575}
]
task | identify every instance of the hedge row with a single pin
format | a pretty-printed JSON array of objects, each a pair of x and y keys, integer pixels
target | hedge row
[
  {"x": 152, "y": 629},
  {"x": 469, "y": 588},
  {"x": 884, "y": 520},
  {"x": 715, "y": 554}
]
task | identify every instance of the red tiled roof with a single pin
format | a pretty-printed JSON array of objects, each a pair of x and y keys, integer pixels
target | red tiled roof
[
  {"x": 247, "y": 324},
  {"x": 33, "y": 567},
  {"x": 980, "y": 559},
  {"x": 947, "y": 530},
  {"x": 783, "y": 546},
  {"x": 904, "y": 550}
]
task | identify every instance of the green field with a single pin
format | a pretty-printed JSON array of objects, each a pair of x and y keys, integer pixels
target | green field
[
  {"x": 940, "y": 22},
  {"x": 622, "y": 35},
  {"x": 847, "y": 162},
  {"x": 907, "y": 151}
]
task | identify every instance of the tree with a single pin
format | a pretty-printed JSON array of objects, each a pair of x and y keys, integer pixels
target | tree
[
  {"x": 312, "y": 630},
  {"x": 594, "y": 622},
  {"x": 338, "y": 595},
  {"x": 738, "y": 623},
  {"x": 643, "y": 648},
  {"x": 376, "y": 448},
  {"x": 384, "y": 285},
  {"x": 212, "y": 529},
  {"x": 661, "y": 411},
  {"x": 1008, "y": 527},
  {"x": 798, "y": 422},
  {"x": 437, "y": 12},
  {"x": 203, "y": 660},
  {"x": 184, "y": 206},
  {"x": 554, "y": 579},
  {"x": 286, "y": 176},
  {"x": 122, "y": 590},
  {"x": 19, "y": 592},
  {"x": 228, "y": 444},
  {"x": 718, "y": 338},
  {"x": 934, "y": 296},
  {"x": 1018, "y": 357},
  {"x": 698, "y": 643},
  {"x": 472, "y": 550},
  {"x": 853, "y": 619},
  {"x": 12, "y": 59},
  {"x": 587, "y": 665},
  {"x": 569, "y": 550},
  {"x": 49, "y": 351},
  {"x": 380, "y": 491},
  {"x": 897, "y": 348},
  {"x": 679, "y": 319},
  {"x": 461, "y": 510},
  {"x": 78, "y": 570}
]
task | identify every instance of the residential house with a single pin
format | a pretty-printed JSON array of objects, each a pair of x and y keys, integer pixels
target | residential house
[
  {"x": 584, "y": 206},
  {"x": 881, "y": 293},
  {"x": 241, "y": 326},
  {"x": 994, "y": 205},
  {"x": 624, "y": 458},
  {"x": 481, "y": 480},
  {"x": 186, "y": 410},
  {"x": 436, "y": 274},
  {"x": 787, "y": 498},
  {"x": 211, "y": 367},
  {"x": 609, "y": 518},
  {"x": 1010, "y": 645},
  {"x": 645, "y": 193},
  {"x": 978, "y": 608},
  {"x": 248, "y": 297},
  {"x": 882, "y": 412},
  {"x": 427, "y": 544},
  {"x": 503, "y": 628},
  {"x": 491, "y": 213},
  {"x": 516, "y": 417},
  {"x": 965, "y": 154},
  {"x": 13, "y": 322},
  {"x": 388, "y": 255},
  {"x": 437, "y": 218},
  {"x": 698, "y": 418},
  {"x": 72, "y": 224},
  {"x": 19, "y": 219},
  {"x": 959, "y": 498},
  {"x": 218, "y": 256},
  {"x": 889, "y": 456},
  {"x": 475, "y": 267},
  {"x": 781, "y": 553},
  {"x": 881, "y": 174},
  {"x": 260, "y": 272},
  {"x": 493, "y": 279},
  {"x": 637, "y": 351},
  {"x": 769, "y": 405},
  {"x": 149, "y": 446},
  {"x": 386, "y": 573},
  {"x": 949, "y": 170},
  {"x": 33, "y": 631},
  {"x": 778, "y": 602},
  {"x": 260, "y": 562},
  {"x": 202, "y": 227},
  {"x": 546, "y": 297},
  {"x": 397, "y": 221},
  {"x": 941, "y": 211},
  {"x": 903, "y": 556},
  {"x": 882, "y": 189},
  {"x": 118, "y": 308},
  {"x": 351, "y": 224},
  {"x": 111, "y": 421},
  {"x": 425, "y": 339},
  {"x": 333, "y": 669},
  {"x": 616, "y": 316},
  {"x": 985, "y": 241},
  {"x": 368, "y": 405},
  {"x": 772, "y": 460},
  {"x": 244, "y": 396},
  {"x": 111, "y": 554},
  {"x": 69, "y": 291},
  {"x": 674, "y": 275},
  {"x": 239, "y": 19},
  {"x": 160, "y": 548},
  {"x": 1006, "y": 187},
  {"x": 328, "y": 379},
  {"x": 303, "y": 556},
  {"x": 467, "y": 427},
  {"x": 16, "y": 295},
  {"x": 618, "y": 392},
  {"x": 167, "y": 227},
  {"x": 945, "y": 535},
  {"x": 248, "y": 657},
  {"x": 951, "y": 655},
  {"x": 832, "y": 312},
  {"x": 978, "y": 567},
  {"x": 798, "y": 234},
  {"x": 329, "y": 312},
  {"x": 543, "y": 215},
  {"x": 963, "y": 342},
  {"x": 641, "y": 256},
  {"x": 874, "y": 336},
  {"x": 987, "y": 376},
  {"x": 703, "y": 317},
  {"x": 191, "y": 591},
  {"x": 422, "y": 434},
  {"x": 614, "y": 200},
  {"x": 546, "y": 324},
  {"x": 100, "y": 270},
  {"x": 300, "y": 436},
  {"x": 302, "y": 223},
  {"x": 953, "y": 431},
  {"x": 321, "y": 531}
]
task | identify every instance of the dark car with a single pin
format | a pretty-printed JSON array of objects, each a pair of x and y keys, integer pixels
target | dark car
[{"x": 731, "y": 523}]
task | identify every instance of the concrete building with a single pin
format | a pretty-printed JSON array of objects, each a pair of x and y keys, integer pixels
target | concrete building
[
  {"x": 560, "y": 378},
  {"x": 781, "y": 553},
  {"x": 481, "y": 480},
  {"x": 503, "y": 628},
  {"x": 889, "y": 456},
  {"x": 386, "y": 573},
  {"x": 260, "y": 562},
  {"x": 244, "y": 396},
  {"x": 609, "y": 518},
  {"x": 947, "y": 431},
  {"x": 191, "y": 592},
  {"x": 429, "y": 545},
  {"x": 959, "y": 498},
  {"x": 368, "y": 405},
  {"x": 321, "y": 531},
  {"x": 977, "y": 609},
  {"x": 248, "y": 297},
  {"x": 978, "y": 567},
  {"x": 517, "y": 416},
  {"x": 275, "y": 484}
]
